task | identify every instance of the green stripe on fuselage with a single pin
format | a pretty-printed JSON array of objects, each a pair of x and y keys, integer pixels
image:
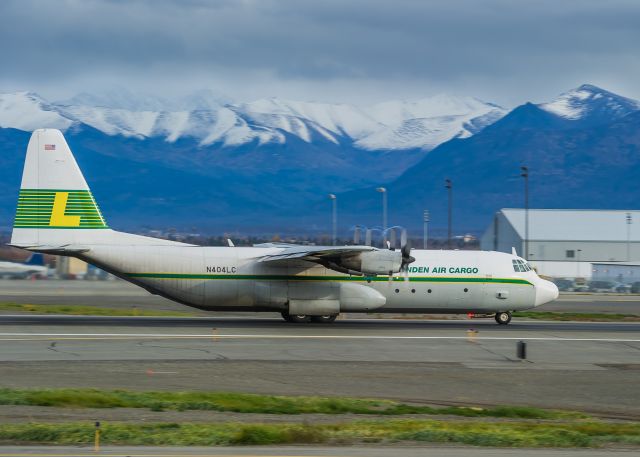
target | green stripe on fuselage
[{"x": 326, "y": 278}]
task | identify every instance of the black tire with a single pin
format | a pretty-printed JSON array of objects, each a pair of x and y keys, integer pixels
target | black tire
[
  {"x": 328, "y": 319},
  {"x": 503, "y": 318},
  {"x": 296, "y": 318}
]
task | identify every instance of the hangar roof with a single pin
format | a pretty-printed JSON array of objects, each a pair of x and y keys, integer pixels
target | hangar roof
[{"x": 575, "y": 224}]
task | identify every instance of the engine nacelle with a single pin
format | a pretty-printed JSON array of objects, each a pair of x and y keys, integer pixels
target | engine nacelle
[{"x": 374, "y": 262}]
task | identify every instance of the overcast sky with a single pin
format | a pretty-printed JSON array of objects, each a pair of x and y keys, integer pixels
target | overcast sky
[{"x": 357, "y": 51}]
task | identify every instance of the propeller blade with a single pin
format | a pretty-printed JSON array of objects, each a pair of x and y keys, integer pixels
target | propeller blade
[
  {"x": 407, "y": 258},
  {"x": 356, "y": 235},
  {"x": 392, "y": 239},
  {"x": 367, "y": 237},
  {"x": 403, "y": 238}
]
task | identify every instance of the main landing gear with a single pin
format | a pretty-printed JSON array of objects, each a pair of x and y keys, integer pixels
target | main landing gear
[
  {"x": 503, "y": 318},
  {"x": 304, "y": 319}
]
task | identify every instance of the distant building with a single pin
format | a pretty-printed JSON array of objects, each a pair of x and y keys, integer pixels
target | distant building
[
  {"x": 623, "y": 272},
  {"x": 70, "y": 267},
  {"x": 565, "y": 242}
]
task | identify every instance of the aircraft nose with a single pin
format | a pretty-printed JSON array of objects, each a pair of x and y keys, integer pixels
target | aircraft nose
[{"x": 546, "y": 291}]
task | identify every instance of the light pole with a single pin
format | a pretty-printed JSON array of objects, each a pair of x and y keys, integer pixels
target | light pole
[
  {"x": 334, "y": 218},
  {"x": 449, "y": 185},
  {"x": 525, "y": 175},
  {"x": 425, "y": 219},
  {"x": 578, "y": 264},
  {"x": 629, "y": 222},
  {"x": 383, "y": 191}
]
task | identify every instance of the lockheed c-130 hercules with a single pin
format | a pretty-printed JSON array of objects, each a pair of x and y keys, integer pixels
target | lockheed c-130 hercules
[{"x": 57, "y": 214}]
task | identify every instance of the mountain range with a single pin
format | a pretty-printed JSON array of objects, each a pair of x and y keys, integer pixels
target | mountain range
[
  {"x": 208, "y": 120},
  {"x": 208, "y": 162},
  {"x": 582, "y": 150}
]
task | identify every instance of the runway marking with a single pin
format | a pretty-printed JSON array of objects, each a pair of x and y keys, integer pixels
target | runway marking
[{"x": 129, "y": 336}]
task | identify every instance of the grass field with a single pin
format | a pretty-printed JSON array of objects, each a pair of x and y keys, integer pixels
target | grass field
[
  {"x": 79, "y": 310},
  {"x": 502, "y": 434},
  {"x": 252, "y": 403}
]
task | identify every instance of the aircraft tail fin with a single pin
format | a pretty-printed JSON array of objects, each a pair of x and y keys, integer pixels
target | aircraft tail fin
[
  {"x": 55, "y": 205},
  {"x": 35, "y": 259}
]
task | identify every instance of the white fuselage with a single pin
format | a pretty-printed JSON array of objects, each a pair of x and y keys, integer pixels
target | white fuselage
[{"x": 231, "y": 278}]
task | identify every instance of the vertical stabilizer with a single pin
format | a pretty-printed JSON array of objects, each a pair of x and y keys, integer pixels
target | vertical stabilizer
[
  {"x": 35, "y": 259},
  {"x": 55, "y": 205}
]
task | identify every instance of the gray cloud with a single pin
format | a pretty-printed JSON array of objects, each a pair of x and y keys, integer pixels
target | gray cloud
[{"x": 360, "y": 50}]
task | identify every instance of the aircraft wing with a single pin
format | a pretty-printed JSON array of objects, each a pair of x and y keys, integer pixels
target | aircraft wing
[
  {"x": 314, "y": 253},
  {"x": 352, "y": 260}
]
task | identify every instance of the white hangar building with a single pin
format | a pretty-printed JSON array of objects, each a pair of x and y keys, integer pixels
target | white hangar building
[{"x": 566, "y": 242}]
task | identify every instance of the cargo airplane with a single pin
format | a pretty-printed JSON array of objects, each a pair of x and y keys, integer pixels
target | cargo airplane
[{"x": 57, "y": 214}]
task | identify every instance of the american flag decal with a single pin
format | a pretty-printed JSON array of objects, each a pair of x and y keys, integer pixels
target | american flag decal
[{"x": 49, "y": 147}]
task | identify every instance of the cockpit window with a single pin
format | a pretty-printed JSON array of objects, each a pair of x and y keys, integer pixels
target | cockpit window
[{"x": 520, "y": 266}]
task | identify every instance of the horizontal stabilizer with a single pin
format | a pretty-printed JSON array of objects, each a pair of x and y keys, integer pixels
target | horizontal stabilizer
[{"x": 52, "y": 249}]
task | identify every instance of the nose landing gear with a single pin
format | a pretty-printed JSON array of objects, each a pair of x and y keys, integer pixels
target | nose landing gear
[{"x": 503, "y": 318}]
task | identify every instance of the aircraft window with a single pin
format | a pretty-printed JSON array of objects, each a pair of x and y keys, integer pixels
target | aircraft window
[
  {"x": 520, "y": 266},
  {"x": 413, "y": 291},
  {"x": 397, "y": 291},
  {"x": 429, "y": 291},
  {"x": 466, "y": 290}
]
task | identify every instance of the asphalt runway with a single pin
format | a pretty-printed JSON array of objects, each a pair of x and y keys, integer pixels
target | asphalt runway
[{"x": 583, "y": 366}]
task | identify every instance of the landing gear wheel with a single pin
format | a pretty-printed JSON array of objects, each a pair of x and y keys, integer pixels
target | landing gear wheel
[
  {"x": 328, "y": 319},
  {"x": 296, "y": 318},
  {"x": 503, "y": 318}
]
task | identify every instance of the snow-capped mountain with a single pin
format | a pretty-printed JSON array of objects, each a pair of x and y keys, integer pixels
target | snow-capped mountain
[
  {"x": 428, "y": 122},
  {"x": 582, "y": 150},
  {"x": 212, "y": 119},
  {"x": 28, "y": 111},
  {"x": 589, "y": 103}
]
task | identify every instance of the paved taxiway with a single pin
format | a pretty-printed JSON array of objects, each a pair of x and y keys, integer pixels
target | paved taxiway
[{"x": 585, "y": 366}]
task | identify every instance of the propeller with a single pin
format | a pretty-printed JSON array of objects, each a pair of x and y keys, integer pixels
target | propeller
[
  {"x": 367, "y": 237},
  {"x": 389, "y": 236},
  {"x": 356, "y": 235},
  {"x": 405, "y": 248}
]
